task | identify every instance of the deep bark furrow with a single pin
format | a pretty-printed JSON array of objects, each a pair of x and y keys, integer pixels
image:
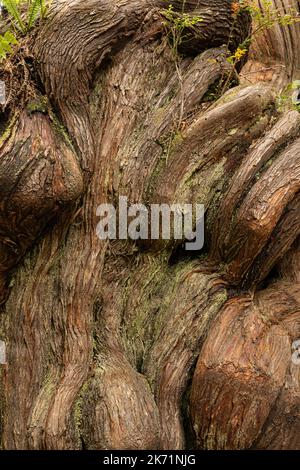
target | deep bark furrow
[{"x": 265, "y": 149}]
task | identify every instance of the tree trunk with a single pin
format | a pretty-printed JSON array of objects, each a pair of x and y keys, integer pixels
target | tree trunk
[{"x": 118, "y": 345}]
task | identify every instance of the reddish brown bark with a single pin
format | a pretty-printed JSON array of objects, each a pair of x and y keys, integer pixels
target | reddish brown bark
[{"x": 103, "y": 337}]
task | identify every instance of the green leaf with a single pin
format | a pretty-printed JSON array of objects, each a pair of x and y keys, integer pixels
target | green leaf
[{"x": 10, "y": 37}]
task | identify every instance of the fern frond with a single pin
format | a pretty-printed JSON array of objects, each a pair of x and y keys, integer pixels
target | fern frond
[
  {"x": 35, "y": 8},
  {"x": 13, "y": 9},
  {"x": 45, "y": 8}
]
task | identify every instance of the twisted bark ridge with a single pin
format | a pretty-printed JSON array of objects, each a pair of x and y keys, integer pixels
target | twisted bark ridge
[{"x": 114, "y": 345}]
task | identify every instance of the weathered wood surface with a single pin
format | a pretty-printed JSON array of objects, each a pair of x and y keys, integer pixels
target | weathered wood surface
[{"x": 103, "y": 338}]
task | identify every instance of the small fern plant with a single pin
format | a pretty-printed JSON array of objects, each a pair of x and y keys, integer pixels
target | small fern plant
[
  {"x": 21, "y": 18},
  {"x": 176, "y": 24}
]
